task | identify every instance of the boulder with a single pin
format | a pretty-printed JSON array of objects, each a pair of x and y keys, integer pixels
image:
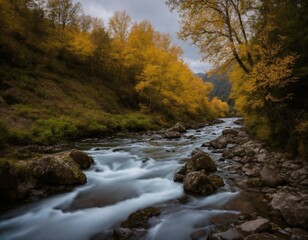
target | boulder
[
  {"x": 139, "y": 219},
  {"x": 219, "y": 143},
  {"x": 58, "y": 169},
  {"x": 178, "y": 127},
  {"x": 122, "y": 233},
  {"x": 196, "y": 151},
  {"x": 256, "y": 226},
  {"x": 230, "y": 131},
  {"x": 217, "y": 181},
  {"x": 199, "y": 183},
  {"x": 171, "y": 135},
  {"x": 201, "y": 161},
  {"x": 270, "y": 177},
  {"x": 292, "y": 207},
  {"x": 81, "y": 158},
  {"x": 178, "y": 177}
]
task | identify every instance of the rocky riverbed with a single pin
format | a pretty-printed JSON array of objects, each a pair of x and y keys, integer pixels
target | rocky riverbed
[{"x": 213, "y": 182}]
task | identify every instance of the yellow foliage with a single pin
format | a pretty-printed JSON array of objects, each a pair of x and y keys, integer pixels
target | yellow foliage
[{"x": 82, "y": 44}]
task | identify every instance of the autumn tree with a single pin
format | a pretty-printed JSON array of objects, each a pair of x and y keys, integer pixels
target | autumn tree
[
  {"x": 220, "y": 29},
  {"x": 119, "y": 25},
  {"x": 63, "y": 13}
]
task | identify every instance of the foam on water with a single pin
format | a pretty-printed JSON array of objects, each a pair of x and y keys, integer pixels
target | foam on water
[{"x": 127, "y": 176}]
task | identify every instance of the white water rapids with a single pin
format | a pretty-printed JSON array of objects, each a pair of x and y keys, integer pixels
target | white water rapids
[{"x": 129, "y": 174}]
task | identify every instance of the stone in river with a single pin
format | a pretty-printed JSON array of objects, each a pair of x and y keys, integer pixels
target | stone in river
[
  {"x": 199, "y": 183},
  {"x": 139, "y": 219},
  {"x": 81, "y": 158}
]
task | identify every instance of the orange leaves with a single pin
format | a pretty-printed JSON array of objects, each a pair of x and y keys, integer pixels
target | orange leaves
[{"x": 82, "y": 44}]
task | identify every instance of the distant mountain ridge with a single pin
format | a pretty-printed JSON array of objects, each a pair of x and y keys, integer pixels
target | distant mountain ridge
[{"x": 221, "y": 86}]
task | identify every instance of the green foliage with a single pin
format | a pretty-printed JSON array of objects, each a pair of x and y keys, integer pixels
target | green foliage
[
  {"x": 137, "y": 122},
  {"x": 52, "y": 130}
]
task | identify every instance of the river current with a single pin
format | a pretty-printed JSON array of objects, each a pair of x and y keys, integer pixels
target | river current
[{"x": 129, "y": 174}]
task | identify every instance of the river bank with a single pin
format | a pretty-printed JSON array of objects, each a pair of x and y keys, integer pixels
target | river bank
[{"x": 264, "y": 192}]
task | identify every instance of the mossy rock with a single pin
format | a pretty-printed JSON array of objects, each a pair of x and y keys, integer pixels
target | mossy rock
[
  {"x": 58, "y": 169},
  {"x": 201, "y": 161},
  {"x": 139, "y": 219},
  {"x": 217, "y": 181},
  {"x": 198, "y": 183},
  {"x": 81, "y": 158}
]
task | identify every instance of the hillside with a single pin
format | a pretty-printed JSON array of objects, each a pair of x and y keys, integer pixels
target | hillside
[
  {"x": 65, "y": 75},
  {"x": 221, "y": 86}
]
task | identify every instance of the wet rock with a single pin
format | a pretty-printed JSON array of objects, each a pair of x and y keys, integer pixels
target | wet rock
[
  {"x": 184, "y": 199},
  {"x": 58, "y": 169},
  {"x": 239, "y": 121},
  {"x": 178, "y": 127},
  {"x": 81, "y": 158},
  {"x": 216, "y": 121},
  {"x": 230, "y": 132},
  {"x": 139, "y": 219},
  {"x": 219, "y": 143},
  {"x": 270, "y": 177},
  {"x": 178, "y": 177},
  {"x": 217, "y": 181},
  {"x": 199, "y": 183},
  {"x": 172, "y": 135},
  {"x": 230, "y": 234},
  {"x": 256, "y": 226},
  {"x": 292, "y": 207},
  {"x": 122, "y": 233},
  {"x": 263, "y": 236},
  {"x": 206, "y": 144},
  {"x": 197, "y": 151},
  {"x": 201, "y": 161}
]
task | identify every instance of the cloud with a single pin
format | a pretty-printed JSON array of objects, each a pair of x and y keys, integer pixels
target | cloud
[
  {"x": 157, "y": 12},
  {"x": 197, "y": 66}
]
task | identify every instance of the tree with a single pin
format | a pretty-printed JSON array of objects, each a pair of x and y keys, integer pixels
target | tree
[
  {"x": 220, "y": 28},
  {"x": 63, "y": 13},
  {"x": 119, "y": 25}
]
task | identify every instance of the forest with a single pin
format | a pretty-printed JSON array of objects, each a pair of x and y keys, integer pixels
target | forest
[
  {"x": 66, "y": 75},
  {"x": 107, "y": 133},
  {"x": 262, "y": 47},
  {"x": 126, "y": 75}
]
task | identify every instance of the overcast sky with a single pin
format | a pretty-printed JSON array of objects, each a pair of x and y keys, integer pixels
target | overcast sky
[{"x": 157, "y": 12}]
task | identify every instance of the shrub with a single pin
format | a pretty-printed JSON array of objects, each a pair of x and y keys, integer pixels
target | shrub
[
  {"x": 51, "y": 130},
  {"x": 137, "y": 122}
]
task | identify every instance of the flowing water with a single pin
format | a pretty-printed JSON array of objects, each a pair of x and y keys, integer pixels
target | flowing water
[{"x": 129, "y": 174}]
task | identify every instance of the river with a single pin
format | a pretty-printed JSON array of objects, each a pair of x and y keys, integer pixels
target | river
[{"x": 128, "y": 174}]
